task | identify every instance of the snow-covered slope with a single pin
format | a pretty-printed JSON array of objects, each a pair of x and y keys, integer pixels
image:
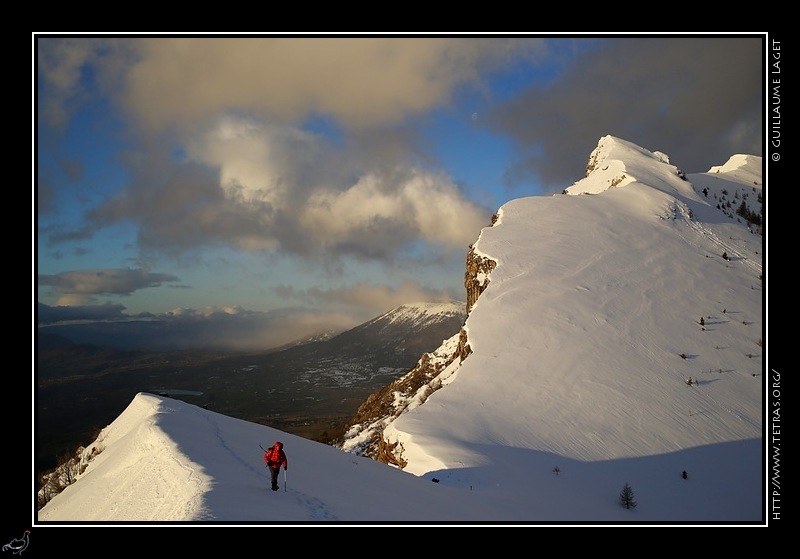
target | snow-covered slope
[
  {"x": 166, "y": 460},
  {"x": 591, "y": 324}
]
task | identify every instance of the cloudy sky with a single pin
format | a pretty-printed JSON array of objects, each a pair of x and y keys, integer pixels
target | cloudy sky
[{"x": 317, "y": 182}]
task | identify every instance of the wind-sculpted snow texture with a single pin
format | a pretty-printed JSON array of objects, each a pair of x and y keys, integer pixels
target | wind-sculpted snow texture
[{"x": 577, "y": 341}]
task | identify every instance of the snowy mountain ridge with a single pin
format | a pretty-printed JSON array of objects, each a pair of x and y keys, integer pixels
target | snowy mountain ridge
[
  {"x": 615, "y": 163},
  {"x": 611, "y": 275}
]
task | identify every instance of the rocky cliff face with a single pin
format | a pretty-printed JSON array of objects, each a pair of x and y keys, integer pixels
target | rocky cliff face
[
  {"x": 476, "y": 278},
  {"x": 364, "y": 433}
]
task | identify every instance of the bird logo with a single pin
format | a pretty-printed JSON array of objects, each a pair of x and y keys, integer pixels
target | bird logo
[{"x": 18, "y": 545}]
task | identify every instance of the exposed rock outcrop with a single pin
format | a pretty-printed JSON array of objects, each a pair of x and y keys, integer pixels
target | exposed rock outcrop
[
  {"x": 476, "y": 277},
  {"x": 363, "y": 435}
]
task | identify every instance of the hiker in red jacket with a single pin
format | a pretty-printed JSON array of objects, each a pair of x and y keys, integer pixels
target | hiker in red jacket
[{"x": 275, "y": 457}]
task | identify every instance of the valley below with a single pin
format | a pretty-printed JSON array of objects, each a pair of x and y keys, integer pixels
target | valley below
[
  {"x": 76, "y": 404},
  {"x": 311, "y": 390}
]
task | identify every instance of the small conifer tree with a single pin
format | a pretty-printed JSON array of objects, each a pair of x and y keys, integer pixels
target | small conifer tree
[{"x": 626, "y": 497}]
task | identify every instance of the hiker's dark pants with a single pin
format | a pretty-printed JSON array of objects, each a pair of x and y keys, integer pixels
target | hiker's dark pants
[{"x": 273, "y": 472}]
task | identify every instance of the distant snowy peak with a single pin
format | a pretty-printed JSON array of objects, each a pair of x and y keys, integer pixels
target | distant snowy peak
[
  {"x": 615, "y": 163},
  {"x": 422, "y": 313}
]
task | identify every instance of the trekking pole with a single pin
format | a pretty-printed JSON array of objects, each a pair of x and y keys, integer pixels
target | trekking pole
[{"x": 284, "y": 480}]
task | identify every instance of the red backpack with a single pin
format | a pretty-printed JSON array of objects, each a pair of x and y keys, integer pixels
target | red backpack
[{"x": 274, "y": 454}]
